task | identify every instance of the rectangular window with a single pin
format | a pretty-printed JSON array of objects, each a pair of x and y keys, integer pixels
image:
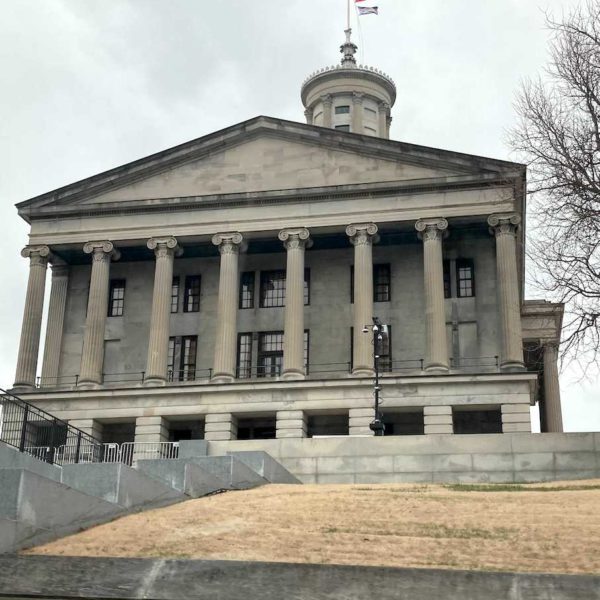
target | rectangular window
[
  {"x": 272, "y": 288},
  {"x": 306, "y": 350},
  {"x": 175, "y": 295},
  {"x": 369, "y": 112},
  {"x": 306, "y": 287},
  {"x": 447, "y": 282},
  {"x": 465, "y": 278},
  {"x": 181, "y": 362},
  {"x": 191, "y": 297},
  {"x": 116, "y": 303},
  {"x": 270, "y": 353},
  {"x": 381, "y": 283},
  {"x": 247, "y": 289},
  {"x": 342, "y": 110},
  {"x": 244, "y": 355},
  {"x": 384, "y": 349},
  {"x": 343, "y": 127}
]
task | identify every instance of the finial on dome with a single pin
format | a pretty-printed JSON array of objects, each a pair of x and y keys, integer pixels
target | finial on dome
[{"x": 348, "y": 50}]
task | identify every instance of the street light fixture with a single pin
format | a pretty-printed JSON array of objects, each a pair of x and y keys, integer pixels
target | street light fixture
[{"x": 377, "y": 426}]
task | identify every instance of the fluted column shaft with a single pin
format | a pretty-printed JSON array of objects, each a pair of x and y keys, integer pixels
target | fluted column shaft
[
  {"x": 384, "y": 110},
  {"x": 431, "y": 231},
  {"x": 295, "y": 242},
  {"x": 505, "y": 227},
  {"x": 225, "y": 343},
  {"x": 552, "y": 405},
  {"x": 54, "y": 326},
  {"x": 357, "y": 113},
  {"x": 29, "y": 345},
  {"x": 158, "y": 342},
  {"x": 362, "y": 237},
  {"x": 92, "y": 356},
  {"x": 327, "y": 106}
]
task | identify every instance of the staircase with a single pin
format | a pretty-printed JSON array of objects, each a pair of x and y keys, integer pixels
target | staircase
[{"x": 49, "y": 491}]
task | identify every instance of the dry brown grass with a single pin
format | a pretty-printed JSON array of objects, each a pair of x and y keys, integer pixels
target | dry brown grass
[{"x": 392, "y": 525}]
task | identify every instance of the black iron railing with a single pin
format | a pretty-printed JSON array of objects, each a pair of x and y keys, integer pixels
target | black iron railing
[{"x": 38, "y": 433}]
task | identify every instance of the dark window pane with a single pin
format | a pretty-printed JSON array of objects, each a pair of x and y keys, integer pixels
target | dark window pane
[
  {"x": 447, "y": 284},
  {"x": 116, "y": 303},
  {"x": 343, "y": 127},
  {"x": 342, "y": 110},
  {"x": 247, "y": 290},
  {"x": 477, "y": 421},
  {"x": 306, "y": 350},
  {"x": 381, "y": 283},
  {"x": 270, "y": 353},
  {"x": 272, "y": 288},
  {"x": 384, "y": 349},
  {"x": 244, "y": 359},
  {"x": 188, "y": 358},
  {"x": 351, "y": 284},
  {"x": 191, "y": 298},
  {"x": 306, "y": 287},
  {"x": 465, "y": 278},
  {"x": 175, "y": 295}
]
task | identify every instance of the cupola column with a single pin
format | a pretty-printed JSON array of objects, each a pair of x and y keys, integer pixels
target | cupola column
[
  {"x": 552, "y": 405},
  {"x": 362, "y": 237},
  {"x": 384, "y": 111},
  {"x": 327, "y": 101},
  {"x": 165, "y": 250},
  {"x": 295, "y": 242},
  {"x": 229, "y": 281},
  {"x": 32, "y": 316},
  {"x": 432, "y": 231},
  {"x": 505, "y": 227},
  {"x": 357, "y": 113},
  {"x": 92, "y": 356},
  {"x": 54, "y": 326}
]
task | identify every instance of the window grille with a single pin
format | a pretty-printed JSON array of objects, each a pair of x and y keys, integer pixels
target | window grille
[
  {"x": 191, "y": 300},
  {"x": 116, "y": 304},
  {"x": 175, "y": 295},
  {"x": 247, "y": 289}
]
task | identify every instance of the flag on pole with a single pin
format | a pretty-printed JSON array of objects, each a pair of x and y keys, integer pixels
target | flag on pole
[
  {"x": 368, "y": 10},
  {"x": 357, "y": 1}
]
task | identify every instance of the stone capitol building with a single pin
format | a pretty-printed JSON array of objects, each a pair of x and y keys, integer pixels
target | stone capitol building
[{"x": 225, "y": 289}]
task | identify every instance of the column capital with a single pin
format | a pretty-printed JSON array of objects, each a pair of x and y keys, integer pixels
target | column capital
[
  {"x": 37, "y": 255},
  {"x": 164, "y": 246},
  {"x": 504, "y": 224},
  {"x": 308, "y": 114},
  {"x": 228, "y": 243},
  {"x": 327, "y": 99},
  {"x": 361, "y": 234},
  {"x": 549, "y": 343},
  {"x": 357, "y": 97},
  {"x": 384, "y": 106},
  {"x": 101, "y": 250},
  {"x": 432, "y": 229},
  {"x": 295, "y": 237}
]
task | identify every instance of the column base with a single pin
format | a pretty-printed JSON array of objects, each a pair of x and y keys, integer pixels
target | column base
[
  {"x": 222, "y": 378},
  {"x": 363, "y": 372},
  {"x": 512, "y": 366},
  {"x": 22, "y": 387},
  {"x": 89, "y": 385},
  {"x": 293, "y": 375},
  {"x": 154, "y": 382},
  {"x": 436, "y": 368}
]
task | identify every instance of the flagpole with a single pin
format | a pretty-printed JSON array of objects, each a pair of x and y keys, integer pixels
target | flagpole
[{"x": 348, "y": 15}]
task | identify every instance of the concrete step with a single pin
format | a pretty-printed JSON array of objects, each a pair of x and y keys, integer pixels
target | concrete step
[
  {"x": 182, "y": 475},
  {"x": 120, "y": 484},
  {"x": 191, "y": 448},
  {"x": 266, "y": 466},
  {"x": 233, "y": 472},
  {"x": 35, "y": 509},
  {"x": 11, "y": 458}
]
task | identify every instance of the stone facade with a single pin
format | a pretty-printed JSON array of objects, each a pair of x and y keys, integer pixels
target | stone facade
[{"x": 336, "y": 229}]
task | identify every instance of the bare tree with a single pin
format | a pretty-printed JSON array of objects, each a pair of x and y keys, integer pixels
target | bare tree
[{"x": 558, "y": 134}]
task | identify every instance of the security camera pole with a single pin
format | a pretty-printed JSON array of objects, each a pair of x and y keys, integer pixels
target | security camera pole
[{"x": 376, "y": 426}]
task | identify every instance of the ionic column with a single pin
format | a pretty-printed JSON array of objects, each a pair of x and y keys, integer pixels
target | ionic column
[
  {"x": 29, "y": 345},
  {"x": 225, "y": 342},
  {"x": 54, "y": 326},
  {"x": 165, "y": 250},
  {"x": 431, "y": 231},
  {"x": 295, "y": 242},
  {"x": 327, "y": 106},
  {"x": 384, "y": 111},
  {"x": 505, "y": 227},
  {"x": 309, "y": 113},
  {"x": 92, "y": 356},
  {"x": 362, "y": 237},
  {"x": 357, "y": 113},
  {"x": 552, "y": 406}
]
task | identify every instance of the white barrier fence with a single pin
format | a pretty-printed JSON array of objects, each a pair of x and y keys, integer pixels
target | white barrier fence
[{"x": 127, "y": 453}]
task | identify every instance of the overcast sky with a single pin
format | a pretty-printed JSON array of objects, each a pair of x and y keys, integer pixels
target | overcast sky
[{"x": 91, "y": 84}]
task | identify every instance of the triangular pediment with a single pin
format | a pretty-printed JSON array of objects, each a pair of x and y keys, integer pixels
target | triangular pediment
[{"x": 265, "y": 155}]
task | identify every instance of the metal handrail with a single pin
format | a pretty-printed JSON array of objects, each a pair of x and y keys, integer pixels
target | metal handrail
[
  {"x": 30, "y": 429},
  {"x": 190, "y": 375}
]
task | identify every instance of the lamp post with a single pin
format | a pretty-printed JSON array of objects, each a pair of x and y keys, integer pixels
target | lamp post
[{"x": 377, "y": 425}]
